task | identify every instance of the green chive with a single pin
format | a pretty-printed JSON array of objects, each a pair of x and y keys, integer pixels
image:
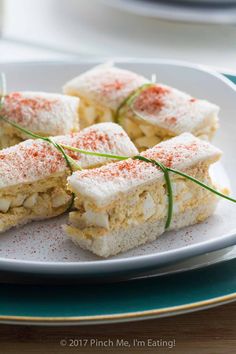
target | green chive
[
  {"x": 168, "y": 186},
  {"x": 201, "y": 184},
  {"x": 92, "y": 153},
  {"x": 70, "y": 162},
  {"x": 128, "y": 100}
]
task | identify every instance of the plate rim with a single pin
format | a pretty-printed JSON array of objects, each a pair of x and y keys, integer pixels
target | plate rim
[
  {"x": 121, "y": 317},
  {"x": 190, "y": 17},
  {"x": 135, "y": 262}
]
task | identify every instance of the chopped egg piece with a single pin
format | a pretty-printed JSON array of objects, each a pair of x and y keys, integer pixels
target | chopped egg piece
[
  {"x": 96, "y": 219},
  {"x": 149, "y": 207},
  {"x": 4, "y": 204}
]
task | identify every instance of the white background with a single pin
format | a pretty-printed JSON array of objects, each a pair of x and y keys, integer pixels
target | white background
[{"x": 90, "y": 28}]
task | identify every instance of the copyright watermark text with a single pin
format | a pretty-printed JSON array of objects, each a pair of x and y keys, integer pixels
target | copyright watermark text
[{"x": 117, "y": 343}]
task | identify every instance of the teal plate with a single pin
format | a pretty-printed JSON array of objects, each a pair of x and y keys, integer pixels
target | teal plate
[
  {"x": 138, "y": 299},
  {"x": 116, "y": 302}
]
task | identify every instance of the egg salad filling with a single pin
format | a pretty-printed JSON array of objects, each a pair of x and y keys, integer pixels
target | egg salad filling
[
  {"x": 8, "y": 137},
  {"x": 146, "y": 204},
  {"x": 145, "y": 135},
  {"x": 90, "y": 114},
  {"x": 45, "y": 198}
]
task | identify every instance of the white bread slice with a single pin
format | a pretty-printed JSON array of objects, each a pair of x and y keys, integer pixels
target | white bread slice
[{"x": 46, "y": 114}]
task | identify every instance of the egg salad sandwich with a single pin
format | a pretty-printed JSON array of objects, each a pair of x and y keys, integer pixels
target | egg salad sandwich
[
  {"x": 124, "y": 204},
  {"x": 101, "y": 91},
  {"x": 33, "y": 173},
  {"x": 46, "y": 114},
  {"x": 149, "y": 112},
  {"x": 161, "y": 112}
]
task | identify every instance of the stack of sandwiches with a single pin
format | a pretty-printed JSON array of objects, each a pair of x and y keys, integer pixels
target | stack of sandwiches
[{"x": 114, "y": 205}]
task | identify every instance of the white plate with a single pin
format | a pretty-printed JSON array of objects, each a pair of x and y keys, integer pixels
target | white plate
[
  {"x": 198, "y": 12},
  {"x": 41, "y": 247},
  {"x": 193, "y": 263}
]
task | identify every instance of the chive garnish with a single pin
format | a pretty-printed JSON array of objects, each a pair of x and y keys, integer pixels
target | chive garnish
[
  {"x": 92, "y": 153},
  {"x": 168, "y": 185},
  {"x": 73, "y": 165},
  {"x": 195, "y": 180},
  {"x": 129, "y": 100}
]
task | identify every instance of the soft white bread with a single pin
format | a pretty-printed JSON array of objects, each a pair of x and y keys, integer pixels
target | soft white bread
[
  {"x": 161, "y": 112},
  {"x": 101, "y": 91},
  {"x": 47, "y": 114},
  {"x": 104, "y": 85}
]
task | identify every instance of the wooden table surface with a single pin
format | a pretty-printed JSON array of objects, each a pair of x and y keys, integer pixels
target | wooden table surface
[{"x": 210, "y": 331}]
